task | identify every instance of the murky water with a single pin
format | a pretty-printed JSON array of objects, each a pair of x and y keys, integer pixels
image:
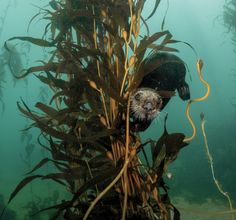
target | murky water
[{"x": 192, "y": 188}]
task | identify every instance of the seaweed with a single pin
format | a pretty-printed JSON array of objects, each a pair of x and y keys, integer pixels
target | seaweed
[
  {"x": 96, "y": 59},
  {"x": 37, "y": 203},
  {"x": 229, "y": 18},
  {"x": 9, "y": 214}
]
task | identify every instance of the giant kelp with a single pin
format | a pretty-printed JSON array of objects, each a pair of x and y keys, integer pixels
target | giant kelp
[
  {"x": 9, "y": 214},
  {"x": 97, "y": 58},
  {"x": 229, "y": 17},
  {"x": 10, "y": 62},
  {"x": 12, "y": 59}
]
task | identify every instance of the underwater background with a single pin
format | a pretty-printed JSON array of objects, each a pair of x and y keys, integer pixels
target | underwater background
[{"x": 192, "y": 188}]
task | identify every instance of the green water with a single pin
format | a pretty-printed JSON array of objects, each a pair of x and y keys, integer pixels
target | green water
[{"x": 192, "y": 186}]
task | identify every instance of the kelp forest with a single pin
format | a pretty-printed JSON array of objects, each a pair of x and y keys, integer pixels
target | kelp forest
[
  {"x": 229, "y": 18},
  {"x": 100, "y": 58}
]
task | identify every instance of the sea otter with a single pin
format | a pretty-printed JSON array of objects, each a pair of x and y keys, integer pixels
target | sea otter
[{"x": 166, "y": 73}]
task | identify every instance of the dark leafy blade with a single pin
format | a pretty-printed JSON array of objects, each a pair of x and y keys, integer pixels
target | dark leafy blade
[
  {"x": 61, "y": 206},
  {"x": 160, "y": 157},
  {"x": 45, "y": 161},
  {"x": 99, "y": 178},
  {"x": 168, "y": 146},
  {"x": 46, "y": 109},
  {"x": 51, "y": 131},
  {"x": 59, "y": 178},
  {"x": 176, "y": 214},
  {"x": 22, "y": 184},
  {"x": 46, "y": 67},
  {"x": 154, "y": 9},
  {"x": 26, "y": 113},
  {"x": 60, "y": 117},
  {"x": 161, "y": 47},
  {"x": 164, "y": 19},
  {"x": 184, "y": 42},
  {"x": 144, "y": 44},
  {"x": 36, "y": 41},
  {"x": 174, "y": 143},
  {"x": 99, "y": 160},
  {"x": 146, "y": 26},
  {"x": 160, "y": 143},
  {"x": 2, "y": 212},
  {"x": 48, "y": 81},
  {"x": 56, "y": 82},
  {"x": 31, "y": 20},
  {"x": 157, "y": 148}
]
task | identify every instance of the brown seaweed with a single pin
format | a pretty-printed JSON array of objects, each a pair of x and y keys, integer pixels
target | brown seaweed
[
  {"x": 166, "y": 149},
  {"x": 97, "y": 58}
]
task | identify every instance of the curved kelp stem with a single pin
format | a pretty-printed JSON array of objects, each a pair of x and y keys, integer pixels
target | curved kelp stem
[
  {"x": 218, "y": 185},
  {"x": 199, "y": 68},
  {"x": 98, "y": 68},
  {"x": 106, "y": 190},
  {"x": 126, "y": 159},
  {"x": 127, "y": 42},
  {"x": 123, "y": 171}
]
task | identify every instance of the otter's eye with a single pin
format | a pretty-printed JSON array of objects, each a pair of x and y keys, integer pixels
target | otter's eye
[{"x": 137, "y": 97}]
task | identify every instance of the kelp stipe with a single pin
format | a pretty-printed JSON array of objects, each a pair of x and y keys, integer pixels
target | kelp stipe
[
  {"x": 232, "y": 211},
  {"x": 199, "y": 70},
  {"x": 210, "y": 159}
]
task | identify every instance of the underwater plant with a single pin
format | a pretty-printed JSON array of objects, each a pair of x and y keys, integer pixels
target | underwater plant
[
  {"x": 4, "y": 16},
  {"x": 9, "y": 214},
  {"x": 229, "y": 17},
  {"x": 29, "y": 147},
  {"x": 97, "y": 59},
  {"x": 11, "y": 62},
  {"x": 37, "y": 203},
  {"x": 1, "y": 92},
  {"x": 12, "y": 58}
]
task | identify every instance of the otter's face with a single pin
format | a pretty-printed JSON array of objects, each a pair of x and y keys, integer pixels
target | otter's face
[{"x": 145, "y": 104}]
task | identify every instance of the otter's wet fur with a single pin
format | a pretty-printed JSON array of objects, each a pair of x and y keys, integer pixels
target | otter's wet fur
[
  {"x": 145, "y": 103},
  {"x": 164, "y": 72}
]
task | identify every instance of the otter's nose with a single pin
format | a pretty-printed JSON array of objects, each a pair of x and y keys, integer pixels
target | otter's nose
[{"x": 148, "y": 106}]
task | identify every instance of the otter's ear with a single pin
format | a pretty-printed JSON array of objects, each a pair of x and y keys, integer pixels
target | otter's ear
[
  {"x": 183, "y": 91},
  {"x": 166, "y": 94}
]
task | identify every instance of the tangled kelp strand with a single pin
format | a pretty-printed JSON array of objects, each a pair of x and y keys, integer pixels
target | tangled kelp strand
[
  {"x": 210, "y": 158},
  {"x": 199, "y": 68},
  {"x": 106, "y": 190}
]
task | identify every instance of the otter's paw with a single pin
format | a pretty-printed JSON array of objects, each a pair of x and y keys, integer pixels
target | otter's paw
[{"x": 183, "y": 91}]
